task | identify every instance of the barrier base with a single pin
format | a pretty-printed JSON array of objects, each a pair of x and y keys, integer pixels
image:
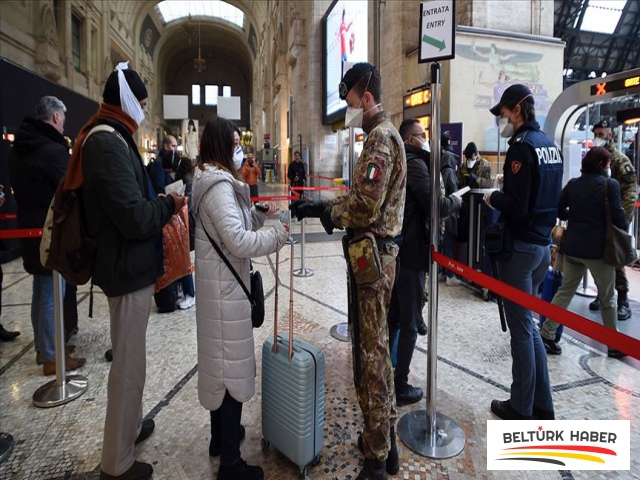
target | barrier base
[
  {"x": 307, "y": 272},
  {"x": 6, "y": 445},
  {"x": 291, "y": 240},
  {"x": 449, "y": 438},
  {"x": 589, "y": 292},
  {"x": 340, "y": 331},
  {"x": 52, "y": 395}
]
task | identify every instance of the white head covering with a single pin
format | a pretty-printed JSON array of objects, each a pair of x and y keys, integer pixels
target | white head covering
[{"x": 128, "y": 101}]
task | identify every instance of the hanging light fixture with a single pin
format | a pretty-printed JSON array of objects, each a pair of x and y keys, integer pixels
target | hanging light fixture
[
  {"x": 189, "y": 30},
  {"x": 199, "y": 64}
]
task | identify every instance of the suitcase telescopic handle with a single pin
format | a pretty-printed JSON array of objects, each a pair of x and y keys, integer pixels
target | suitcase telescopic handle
[
  {"x": 275, "y": 315},
  {"x": 291, "y": 306}
]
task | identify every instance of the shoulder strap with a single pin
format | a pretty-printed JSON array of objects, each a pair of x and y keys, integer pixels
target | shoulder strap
[
  {"x": 607, "y": 212},
  {"x": 104, "y": 128},
  {"x": 228, "y": 264}
]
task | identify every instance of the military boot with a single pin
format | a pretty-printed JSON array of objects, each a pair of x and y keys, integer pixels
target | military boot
[
  {"x": 393, "y": 461},
  {"x": 624, "y": 311},
  {"x": 373, "y": 470}
]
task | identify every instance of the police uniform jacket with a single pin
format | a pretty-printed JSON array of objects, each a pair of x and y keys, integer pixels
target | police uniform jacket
[
  {"x": 416, "y": 237},
  {"x": 375, "y": 200},
  {"x": 582, "y": 204},
  {"x": 532, "y": 184}
]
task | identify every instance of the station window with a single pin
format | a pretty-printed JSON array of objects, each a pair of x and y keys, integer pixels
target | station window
[
  {"x": 226, "y": 91},
  {"x": 76, "y": 30},
  {"x": 211, "y": 95},
  {"x": 195, "y": 94}
]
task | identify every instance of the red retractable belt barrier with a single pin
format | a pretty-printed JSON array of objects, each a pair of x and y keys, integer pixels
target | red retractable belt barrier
[
  {"x": 637, "y": 204},
  {"x": 321, "y": 177},
  {"x": 600, "y": 333},
  {"x": 275, "y": 198},
  {"x": 21, "y": 233},
  {"x": 8, "y": 216},
  {"x": 314, "y": 189}
]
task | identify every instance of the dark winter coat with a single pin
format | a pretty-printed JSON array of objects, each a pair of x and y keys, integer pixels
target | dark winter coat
[
  {"x": 37, "y": 161},
  {"x": 448, "y": 165}
]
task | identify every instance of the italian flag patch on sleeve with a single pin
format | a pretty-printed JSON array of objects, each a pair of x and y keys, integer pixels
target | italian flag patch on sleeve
[{"x": 372, "y": 172}]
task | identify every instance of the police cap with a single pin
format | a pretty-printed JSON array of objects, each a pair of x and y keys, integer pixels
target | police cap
[
  {"x": 512, "y": 96},
  {"x": 601, "y": 124},
  {"x": 353, "y": 76}
]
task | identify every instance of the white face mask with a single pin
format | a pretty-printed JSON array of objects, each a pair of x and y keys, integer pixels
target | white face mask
[
  {"x": 599, "y": 142},
  {"x": 238, "y": 156},
  {"x": 471, "y": 163},
  {"x": 506, "y": 128},
  {"x": 609, "y": 172},
  {"x": 353, "y": 117},
  {"x": 426, "y": 147}
]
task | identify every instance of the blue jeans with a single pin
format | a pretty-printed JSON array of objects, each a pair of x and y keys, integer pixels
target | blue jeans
[
  {"x": 188, "y": 287},
  {"x": 42, "y": 317},
  {"x": 526, "y": 270}
]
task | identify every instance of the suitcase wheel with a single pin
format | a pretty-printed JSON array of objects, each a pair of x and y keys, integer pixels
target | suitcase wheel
[
  {"x": 264, "y": 444},
  {"x": 303, "y": 473},
  {"x": 316, "y": 461},
  {"x": 486, "y": 294}
]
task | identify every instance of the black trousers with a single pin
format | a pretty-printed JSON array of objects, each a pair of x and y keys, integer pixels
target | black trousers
[
  {"x": 404, "y": 315},
  {"x": 225, "y": 426},
  {"x": 70, "y": 308}
]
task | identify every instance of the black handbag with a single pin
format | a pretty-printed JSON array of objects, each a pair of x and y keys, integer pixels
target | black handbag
[
  {"x": 618, "y": 244},
  {"x": 256, "y": 297}
]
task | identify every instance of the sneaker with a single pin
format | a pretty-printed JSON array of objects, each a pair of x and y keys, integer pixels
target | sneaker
[
  {"x": 613, "y": 353},
  {"x": 145, "y": 432},
  {"x": 138, "y": 471},
  {"x": 214, "y": 446},
  {"x": 504, "y": 410},
  {"x": 408, "y": 395},
  {"x": 551, "y": 347},
  {"x": 49, "y": 368},
  {"x": 624, "y": 311},
  {"x": 453, "y": 282},
  {"x": 595, "y": 305},
  {"x": 422, "y": 327},
  {"x": 187, "y": 302},
  {"x": 240, "y": 470}
]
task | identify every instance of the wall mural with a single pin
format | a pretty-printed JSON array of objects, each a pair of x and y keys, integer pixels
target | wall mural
[
  {"x": 149, "y": 35},
  {"x": 253, "y": 40}
]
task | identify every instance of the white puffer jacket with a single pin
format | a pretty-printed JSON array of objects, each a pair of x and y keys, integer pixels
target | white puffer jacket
[{"x": 226, "y": 359}]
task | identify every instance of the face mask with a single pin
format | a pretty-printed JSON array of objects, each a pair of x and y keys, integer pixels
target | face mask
[
  {"x": 426, "y": 147},
  {"x": 609, "y": 172},
  {"x": 353, "y": 117},
  {"x": 238, "y": 156},
  {"x": 599, "y": 142},
  {"x": 471, "y": 163},
  {"x": 506, "y": 128}
]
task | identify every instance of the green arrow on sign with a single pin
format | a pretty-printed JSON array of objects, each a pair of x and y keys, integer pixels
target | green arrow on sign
[{"x": 432, "y": 41}]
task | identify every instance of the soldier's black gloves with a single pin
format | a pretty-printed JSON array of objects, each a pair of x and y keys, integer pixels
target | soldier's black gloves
[
  {"x": 306, "y": 209},
  {"x": 327, "y": 223}
]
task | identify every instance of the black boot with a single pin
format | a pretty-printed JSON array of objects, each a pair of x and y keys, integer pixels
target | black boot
[
  {"x": 393, "y": 461},
  {"x": 624, "y": 311},
  {"x": 372, "y": 470},
  {"x": 6, "y": 335},
  {"x": 422, "y": 327},
  {"x": 240, "y": 471},
  {"x": 595, "y": 305},
  {"x": 407, "y": 394}
]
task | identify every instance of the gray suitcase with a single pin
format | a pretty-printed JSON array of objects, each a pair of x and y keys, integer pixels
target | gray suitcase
[{"x": 293, "y": 395}]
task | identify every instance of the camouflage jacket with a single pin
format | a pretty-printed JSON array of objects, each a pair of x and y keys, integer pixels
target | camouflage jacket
[
  {"x": 375, "y": 200},
  {"x": 482, "y": 171},
  {"x": 623, "y": 171}
]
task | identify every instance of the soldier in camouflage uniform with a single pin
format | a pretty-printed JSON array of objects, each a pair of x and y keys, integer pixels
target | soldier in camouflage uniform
[
  {"x": 374, "y": 204},
  {"x": 623, "y": 171},
  {"x": 475, "y": 171}
]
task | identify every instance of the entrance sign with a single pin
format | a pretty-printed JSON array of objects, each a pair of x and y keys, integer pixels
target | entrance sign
[{"x": 437, "y": 30}]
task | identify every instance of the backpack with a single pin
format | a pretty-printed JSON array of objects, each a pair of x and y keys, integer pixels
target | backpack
[{"x": 66, "y": 246}]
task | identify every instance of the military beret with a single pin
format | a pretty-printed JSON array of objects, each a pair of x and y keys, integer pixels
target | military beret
[
  {"x": 353, "y": 76},
  {"x": 470, "y": 150},
  {"x": 512, "y": 96},
  {"x": 601, "y": 124}
]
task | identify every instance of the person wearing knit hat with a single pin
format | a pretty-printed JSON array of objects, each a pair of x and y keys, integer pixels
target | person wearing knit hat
[
  {"x": 126, "y": 219},
  {"x": 475, "y": 171}
]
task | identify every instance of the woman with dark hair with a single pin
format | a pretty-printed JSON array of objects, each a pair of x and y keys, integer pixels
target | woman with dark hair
[
  {"x": 582, "y": 203},
  {"x": 185, "y": 173},
  {"x": 226, "y": 358}
]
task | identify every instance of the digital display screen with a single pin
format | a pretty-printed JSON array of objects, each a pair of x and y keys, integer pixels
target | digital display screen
[
  {"x": 345, "y": 43},
  {"x": 604, "y": 87}
]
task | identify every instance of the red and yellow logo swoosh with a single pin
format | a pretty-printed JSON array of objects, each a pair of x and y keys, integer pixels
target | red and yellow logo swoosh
[{"x": 545, "y": 453}]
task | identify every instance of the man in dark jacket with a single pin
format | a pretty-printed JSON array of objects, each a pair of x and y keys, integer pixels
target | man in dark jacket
[
  {"x": 296, "y": 172},
  {"x": 37, "y": 161},
  {"x": 126, "y": 219},
  {"x": 405, "y": 309},
  {"x": 448, "y": 167},
  {"x": 167, "y": 161}
]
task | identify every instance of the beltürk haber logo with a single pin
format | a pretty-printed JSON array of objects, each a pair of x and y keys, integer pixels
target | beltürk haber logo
[{"x": 558, "y": 445}]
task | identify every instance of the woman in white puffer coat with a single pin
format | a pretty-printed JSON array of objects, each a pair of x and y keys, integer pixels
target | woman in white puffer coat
[{"x": 226, "y": 359}]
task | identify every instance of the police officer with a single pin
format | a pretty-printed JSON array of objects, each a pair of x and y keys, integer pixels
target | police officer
[
  {"x": 375, "y": 205},
  {"x": 622, "y": 170},
  {"x": 475, "y": 171},
  {"x": 528, "y": 205}
]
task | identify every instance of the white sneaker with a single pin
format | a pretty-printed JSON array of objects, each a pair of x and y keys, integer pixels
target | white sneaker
[
  {"x": 179, "y": 300},
  {"x": 453, "y": 281},
  {"x": 187, "y": 302}
]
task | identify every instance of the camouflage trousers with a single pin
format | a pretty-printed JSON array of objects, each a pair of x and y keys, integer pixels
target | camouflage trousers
[
  {"x": 622, "y": 284},
  {"x": 376, "y": 391}
]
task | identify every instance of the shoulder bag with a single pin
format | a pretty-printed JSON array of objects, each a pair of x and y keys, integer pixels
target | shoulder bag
[
  {"x": 256, "y": 297},
  {"x": 618, "y": 244}
]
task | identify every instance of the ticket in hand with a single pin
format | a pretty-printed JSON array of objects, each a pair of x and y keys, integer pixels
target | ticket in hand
[
  {"x": 285, "y": 217},
  {"x": 177, "y": 187}
]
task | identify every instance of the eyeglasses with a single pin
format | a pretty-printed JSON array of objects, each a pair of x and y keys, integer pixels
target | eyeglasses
[{"x": 421, "y": 135}]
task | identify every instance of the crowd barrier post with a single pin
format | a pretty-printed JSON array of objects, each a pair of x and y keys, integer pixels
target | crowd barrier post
[
  {"x": 302, "y": 271},
  {"x": 64, "y": 388},
  {"x": 429, "y": 433}
]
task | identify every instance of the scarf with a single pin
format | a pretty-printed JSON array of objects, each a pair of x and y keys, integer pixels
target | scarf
[{"x": 73, "y": 179}]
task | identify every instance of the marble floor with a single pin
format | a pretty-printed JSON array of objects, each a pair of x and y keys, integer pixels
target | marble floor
[{"x": 474, "y": 367}]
